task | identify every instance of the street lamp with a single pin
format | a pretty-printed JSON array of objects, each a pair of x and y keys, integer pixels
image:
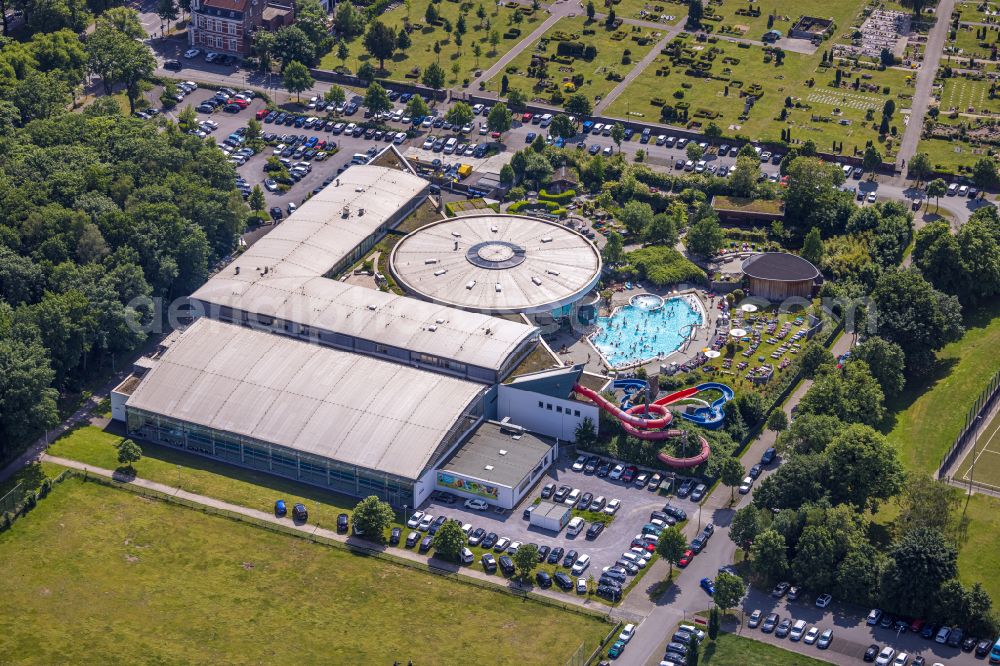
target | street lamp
[{"x": 404, "y": 514}]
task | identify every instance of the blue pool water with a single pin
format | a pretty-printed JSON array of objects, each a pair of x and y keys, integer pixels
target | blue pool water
[{"x": 633, "y": 333}]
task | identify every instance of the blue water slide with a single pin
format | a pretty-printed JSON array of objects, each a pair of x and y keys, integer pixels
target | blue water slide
[
  {"x": 711, "y": 417},
  {"x": 631, "y": 387}
]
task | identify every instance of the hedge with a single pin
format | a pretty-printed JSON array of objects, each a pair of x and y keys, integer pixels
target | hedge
[
  {"x": 562, "y": 198},
  {"x": 550, "y": 207},
  {"x": 664, "y": 265}
]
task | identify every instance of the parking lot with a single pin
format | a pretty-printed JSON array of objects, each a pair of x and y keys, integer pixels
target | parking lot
[
  {"x": 604, "y": 550},
  {"x": 851, "y": 635}
]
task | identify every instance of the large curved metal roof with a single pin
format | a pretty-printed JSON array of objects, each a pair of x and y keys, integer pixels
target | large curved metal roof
[{"x": 497, "y": 263}]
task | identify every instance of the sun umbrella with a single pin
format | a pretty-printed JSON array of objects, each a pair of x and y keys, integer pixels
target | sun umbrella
[
  {"x": 748, "y": 307},
  {"x": 737, "y": 332},
  {"x": 711, "y": 353}
]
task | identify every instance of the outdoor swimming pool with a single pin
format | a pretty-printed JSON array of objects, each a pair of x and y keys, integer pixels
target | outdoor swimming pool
[{"x": 645, "y": 330}]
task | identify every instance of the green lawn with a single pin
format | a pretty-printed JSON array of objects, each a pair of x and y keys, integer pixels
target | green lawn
[
  {"x": 786, "y": 13},
  {"x": 964, "y": 94},
  {"x": 733, "y": 650},
  {"x": 978, "y": 557},
  {"x": 929, "y": 415},
  {"x": 951, "y": 156},
  {"x": 654, "y": 11},
  {"x": 970, "y": 10},
  {"x": 824, "y": 113},
  {"x": 244, "y": 487},
  {"x": 600, "y": 75},
  {"x": 96, "y": 571},
  {"x": 424, "y": 36}
]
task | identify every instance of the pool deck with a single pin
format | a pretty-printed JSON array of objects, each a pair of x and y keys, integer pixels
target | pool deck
[{"x": 575, "y": 347}]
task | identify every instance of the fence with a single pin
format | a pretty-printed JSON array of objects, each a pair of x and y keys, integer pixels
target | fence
[
  {"x": 973, "y": 421},
  {"x": 355, "y": 548},
  {"x": 14, "y": 506}
]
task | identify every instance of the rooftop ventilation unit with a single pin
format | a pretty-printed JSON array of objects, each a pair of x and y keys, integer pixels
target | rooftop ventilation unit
[
  {"x": 511, "y": 429},
  {"x": 432, "y": 328},
  {"x": 502, "y": 452},
  {"x": 439, "y": 321},
  {"x": 493, "y": 228},
  {"x": 489, "y": 468},
  {"x": 373, "y": 307},
  {"x": 456, "y": 234},
  {"x": 470, "y": 284},
  {"x": 537, "y": 281},
  {"x": 547, "y": 239},
  {"x": 430, "y": 261},
  {"x": 550, "y": 272},
  {"x": 498, "y": 287},
  {"x": 440, "y": 272}
]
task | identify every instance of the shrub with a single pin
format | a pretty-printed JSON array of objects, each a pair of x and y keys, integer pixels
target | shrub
[
  {"x": 664, "y": 265},
  {"x": 563, "y": 198}
]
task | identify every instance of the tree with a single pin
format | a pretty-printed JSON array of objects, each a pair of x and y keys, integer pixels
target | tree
[
  {"x": 743, "y": 180},
  {"x": 591, "y": 10},
  {"x": 499, "y": 119},
  {"x": 636, "y": 216},
  {"x": 372, "y": 517},
  {"x": 920, "y": 562},
  {"x": 729, "y": 589},
  {"x": 617, "y": 135},
  {"x": 380, "y": 42},
  {"x": 671, "y": 547},
  {"x": 256, "y": 200},
  {"x": 562, "y": 126},
  {"x": 297, "y": 79},
  {"x": 348, "y": 21},
  {"x": 747, "y": 524},
  {"x": 417, "y": 107},
  {"x": 578, "y": 105},
  {"x": 516, "y": 100},
  {"x": 129, "y": 453},
  {"x": 292, "y": 44},
  {"x": 694, "y": 652},
  {"x": 731, "y": 473},
  {"x": 433, "y": 76},
  {"x": 117, "y": 59},
  {"x": 920, "y": 167},
  {"x": 770, "y": 556},
  {"x": 908, "y": 311},
  {"x": 695, "y": 11},
  {"x": 449, "y": 541},
  {"x": 927, "y": 504},
  {"x": 343, "y": 53},
  {"x": 871, "y": 160},
  {"x": 705, "y": 236},
  {"x": 377, "y": 99},
  {"x": 777, "y": 420},
  {"x": 431, "y": 14},
  {"x": 858, "y": 575},
  {"x": 507, "y": 175},
  {"x": 525, "y": 560},
  {"x": 887, "y": 364},
  {"x": 694, "y": 151},
  {"x": 403, "y": 41},
  {"x": 984, "y": 174},
  {"x": 812, "y": 247},
  {"x": 815, "y": 562},
  {"x": 937, "y": 188},
  {"x": 613, "y": 249},
  {"x": 661, "y": 231},
  {"x": 713, "y": 623},
  {"x": 537, "y": 169},
  {"x": 459, "y": 114},
  {"x": 813, "y": 197},
  {"x": 713, "y": 131},
  {"x": 335, "y": 95},
  {"x": 916, "y": 5},
  {"x": 123, "y": 19},
  {"x": 167, "y": 11}
]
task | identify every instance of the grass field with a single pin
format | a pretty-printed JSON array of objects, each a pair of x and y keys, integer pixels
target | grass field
[
  {"x": 962, "y": 94},
  {"x": 786, "y": 13},
  {"x": 424, "y": 36},
  {"x": 733, "y": 650},
  {"x": 734, "y": 70},
  {"x": 929, "y": 415},
  {"x": 655, "y": 11},
  {"x": 971, "y": 13},
  {"x": 96, "y": 571},
  {"x": 236, "y": 485},
  {"x": 982, "y": 463},
  {"x": 951, "y": 156},
  {"x": 610, "y": 47}
]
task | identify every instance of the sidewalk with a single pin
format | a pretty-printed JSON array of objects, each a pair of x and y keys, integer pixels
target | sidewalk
[{"x": 308, "y": 530}]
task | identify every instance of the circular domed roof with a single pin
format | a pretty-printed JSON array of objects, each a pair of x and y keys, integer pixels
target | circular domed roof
[
  {"x": 779, "y": 267},
  {"x": 497, "y": 263}
]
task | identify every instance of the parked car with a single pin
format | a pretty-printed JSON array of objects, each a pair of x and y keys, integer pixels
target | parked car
[
  {"x": 770, "y": 623},
  {"x": 784, "y": 627},
  {"x": 342, "y": 523},
  {"x": 548, "y": 490},
  {"x": 412, "y": 538},
  {"x": 394, "y": 536},
  {"x": 489, "y": 563},
  {"x": 768, "y": 456},
  {"x": 755, "y": 617},
  {"x": 823, "y": 600},
  {"x": 425, "y": 544},
  {"x": 543, "y": 579}
]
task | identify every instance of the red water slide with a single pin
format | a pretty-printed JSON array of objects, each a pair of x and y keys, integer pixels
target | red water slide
[{"x": 648, "y": 429}]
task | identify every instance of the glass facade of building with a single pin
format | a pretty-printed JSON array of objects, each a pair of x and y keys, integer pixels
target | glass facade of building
[{"x": 254, "y": 454}]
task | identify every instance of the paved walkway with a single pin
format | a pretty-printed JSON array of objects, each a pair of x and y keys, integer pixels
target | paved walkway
[
  {"x": 925, "y": 83},
  {"x": 307, "y": 529},
  {"x": 637, "y": 69},
  {"x": 557, "y": 11}
]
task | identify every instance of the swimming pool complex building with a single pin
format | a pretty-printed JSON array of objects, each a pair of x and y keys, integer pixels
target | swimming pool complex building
[{"x": 291, "y": 371}]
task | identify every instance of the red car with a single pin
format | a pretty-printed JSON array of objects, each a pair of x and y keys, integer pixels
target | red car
[
  {"x": 917, "y": 625},
  {"x": 686, "y": 559},
  {"x": 642, "y": 543},
  {"x": 629, "y": 473},
  {"x": 526, "y": 118},
  {"x": 262, "y": 113}
]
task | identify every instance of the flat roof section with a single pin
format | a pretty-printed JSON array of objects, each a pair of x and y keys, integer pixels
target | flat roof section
[
  {"x": 497, "y": 264},
  {"x": 281, "y": 276},
  {"x": 348, "y": 407},
  {"x": 498, "y": 454}
]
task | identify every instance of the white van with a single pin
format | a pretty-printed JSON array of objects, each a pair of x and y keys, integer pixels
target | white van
[
  {"x": 573, "y": 497},
  {"x": 359, "y": 158},
  {"x": 546, "y": 120},
  {"x": 449, "y": 145},
  {"x": 575, "y": 526},
  {"x": 798, "y": 629}
]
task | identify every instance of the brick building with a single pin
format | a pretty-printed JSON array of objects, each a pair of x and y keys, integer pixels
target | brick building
[{"x": 227, "y": 26}]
